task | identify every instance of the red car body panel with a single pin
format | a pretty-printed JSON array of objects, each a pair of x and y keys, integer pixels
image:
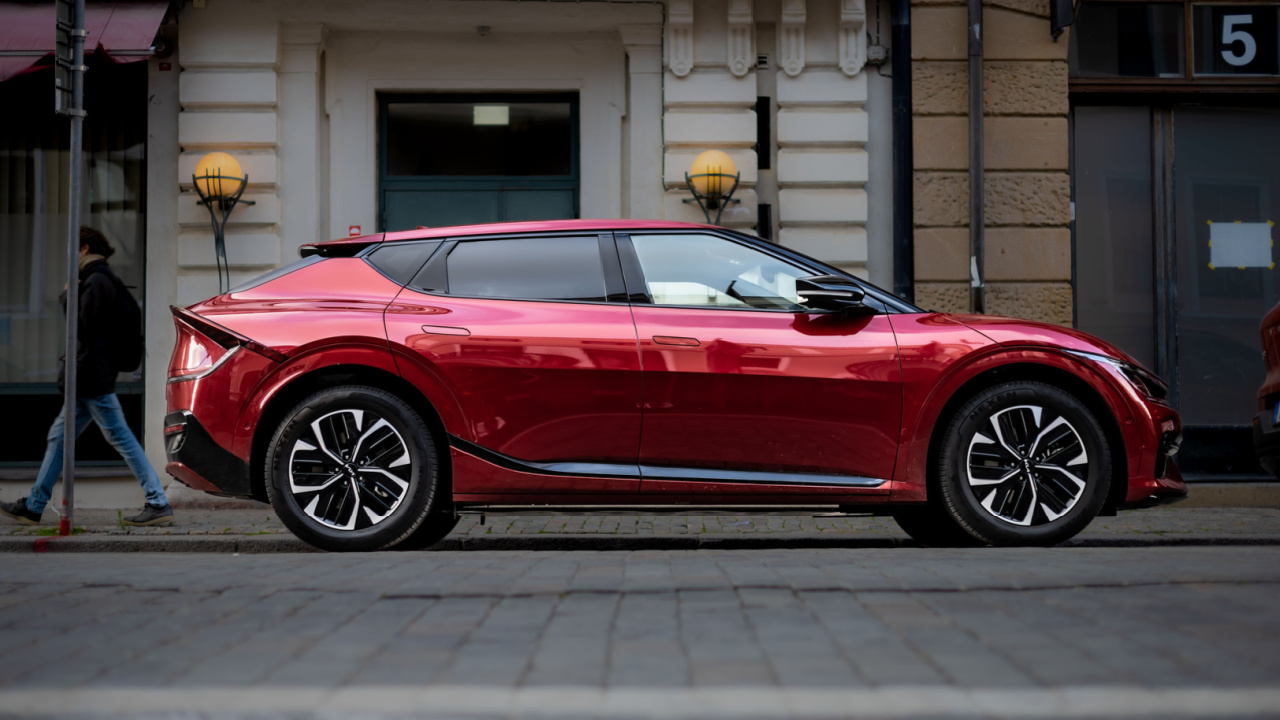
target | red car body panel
[
  {"x": 589, "y": 403},
  {"x": 543, "y": 382}
]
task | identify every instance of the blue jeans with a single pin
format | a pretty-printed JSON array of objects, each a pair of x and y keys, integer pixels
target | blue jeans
[{"x": 105, "y": 411}]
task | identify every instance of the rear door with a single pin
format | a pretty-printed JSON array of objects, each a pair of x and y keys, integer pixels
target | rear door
[
  {"x": 746, "y": 390},
  {"x": 544, "y": 366}
]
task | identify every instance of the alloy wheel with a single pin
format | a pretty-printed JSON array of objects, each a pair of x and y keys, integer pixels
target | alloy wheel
[
  {"x": 1028, "y": 466},
  {"x": 349, "y": 470}
]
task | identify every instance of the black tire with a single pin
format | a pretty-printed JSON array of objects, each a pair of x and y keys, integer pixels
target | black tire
[
  {"x": 434, "y": 529},
  {"x": 931, "y": 526},
  {"x": 354, "y": 468},
  {"x": 1023, "y": 464}
]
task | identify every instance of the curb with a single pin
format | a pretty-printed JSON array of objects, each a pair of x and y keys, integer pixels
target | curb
[{"x": 549, "y": 543}]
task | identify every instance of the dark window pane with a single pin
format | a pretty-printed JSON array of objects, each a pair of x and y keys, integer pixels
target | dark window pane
[
  {"x": 1115, "y": 248},
  {"x": 1236, "y": 39},
  {"x": 1226, "y": 182},
  {"x": 1128, "y": 40},
  {"x": 400, "y": 261},
  {"x": 479, "y": 138},
  {"x": 565, "y": 268}
]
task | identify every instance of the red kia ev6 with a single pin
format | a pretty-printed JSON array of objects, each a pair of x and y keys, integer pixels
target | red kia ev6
[{"x": 380, "y": 385}]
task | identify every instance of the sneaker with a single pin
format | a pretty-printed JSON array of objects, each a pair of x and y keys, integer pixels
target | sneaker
[
  {"x": 151, "y": 515},
  {"x": 18, "y": 511}
]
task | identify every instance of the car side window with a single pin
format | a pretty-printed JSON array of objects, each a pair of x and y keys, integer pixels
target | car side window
[
  {"x": 708, "y": 271},
  {"x": 400, "y": 261},
  {"x": 541, "y": 268}
]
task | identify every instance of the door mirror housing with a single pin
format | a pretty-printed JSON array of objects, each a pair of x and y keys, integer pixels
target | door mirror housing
[{"x": 831, "y": 292}]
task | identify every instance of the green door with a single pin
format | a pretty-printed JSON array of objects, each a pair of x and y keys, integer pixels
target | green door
[{"x": 466, "y": 159}]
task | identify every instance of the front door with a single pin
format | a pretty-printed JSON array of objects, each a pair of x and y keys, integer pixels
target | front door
[
  {"x": 745, "y": 386},
  {"x": 468, "y": 159}
]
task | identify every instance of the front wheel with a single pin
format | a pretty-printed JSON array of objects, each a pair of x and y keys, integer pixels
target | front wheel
[
  {"x": 1023, "y": 463},
  {"x": 354, "y": 468}
]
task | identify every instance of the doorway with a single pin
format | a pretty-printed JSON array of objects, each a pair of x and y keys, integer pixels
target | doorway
[
  {"x": 467, "y": 159},
  {"x": 1174, "y": 260}
]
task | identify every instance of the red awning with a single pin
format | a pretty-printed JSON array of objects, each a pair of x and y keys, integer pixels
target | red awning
[{"x": 121, "y": 30}]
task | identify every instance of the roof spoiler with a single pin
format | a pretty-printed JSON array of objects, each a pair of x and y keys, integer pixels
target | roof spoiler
[{"x": 342, "y": 247}]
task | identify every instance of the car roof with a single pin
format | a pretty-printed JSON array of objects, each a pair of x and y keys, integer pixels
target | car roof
[{"x": 512, "y": 228}]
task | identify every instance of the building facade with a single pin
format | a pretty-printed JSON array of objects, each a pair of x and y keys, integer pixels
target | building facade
[{"x": 353, "y": 118}]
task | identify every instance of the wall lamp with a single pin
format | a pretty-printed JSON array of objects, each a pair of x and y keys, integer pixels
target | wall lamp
[
  {"x": 709, "y": 181},
  {"x": 219, "y": 180}
]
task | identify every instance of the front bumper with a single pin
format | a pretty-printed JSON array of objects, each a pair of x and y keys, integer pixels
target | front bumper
[
  {"x": 1266, "y": 442},
  {"x": 200, "y": 463}
]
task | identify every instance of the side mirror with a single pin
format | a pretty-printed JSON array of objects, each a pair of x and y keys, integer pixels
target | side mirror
[{"x": 831, "y": 292}]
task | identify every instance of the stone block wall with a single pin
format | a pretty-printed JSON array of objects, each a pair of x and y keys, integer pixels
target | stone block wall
[{"x": 1027, "y": 193}]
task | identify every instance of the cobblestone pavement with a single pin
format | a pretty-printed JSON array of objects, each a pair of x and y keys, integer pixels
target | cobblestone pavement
[
  {"x": 1168, "y": 522},
  {"x": 1063, "y": 632}
]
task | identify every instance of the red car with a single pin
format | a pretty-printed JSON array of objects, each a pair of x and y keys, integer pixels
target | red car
[
  {"x": 380, "y": 385},
  {"x": 1266, "y": 424}
]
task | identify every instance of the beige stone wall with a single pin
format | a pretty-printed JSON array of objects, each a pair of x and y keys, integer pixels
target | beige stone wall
[{"x": 1027, "y": 199}]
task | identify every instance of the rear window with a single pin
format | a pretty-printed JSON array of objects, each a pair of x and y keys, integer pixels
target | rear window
[
  {"x": 277, "y": 273},
  {"x": 548, "y": 268},
  {"x": 400, "y": 261}
]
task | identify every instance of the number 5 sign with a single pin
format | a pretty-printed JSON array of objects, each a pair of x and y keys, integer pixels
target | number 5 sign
[{"x": 1236, "y": 40}]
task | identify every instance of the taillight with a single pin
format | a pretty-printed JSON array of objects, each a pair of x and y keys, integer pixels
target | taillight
[{"x": 196, "y": 354}]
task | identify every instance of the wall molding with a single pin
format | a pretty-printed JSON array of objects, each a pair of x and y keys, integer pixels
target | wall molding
[
  {"x": 741, "y": 56},
  {"x": 791, "y": 37},
  {"x": 680, "y": 47},
  {"x": 853, "y": 36}
]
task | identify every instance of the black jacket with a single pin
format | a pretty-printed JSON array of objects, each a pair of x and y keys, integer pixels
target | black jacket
[{"x": 98, "y": 319}]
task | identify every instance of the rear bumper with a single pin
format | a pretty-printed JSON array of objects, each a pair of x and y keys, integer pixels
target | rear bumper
[
  {"x": 1266, "y": 442},
  {"x": 200, "y": 463}
]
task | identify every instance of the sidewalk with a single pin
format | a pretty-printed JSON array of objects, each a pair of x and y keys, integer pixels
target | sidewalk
[{"x": 252, "y": 527}]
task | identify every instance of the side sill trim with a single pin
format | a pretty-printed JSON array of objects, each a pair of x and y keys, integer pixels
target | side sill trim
[
  {"x": 649, "y": 472},
  {"x": 537, "y": 468}
]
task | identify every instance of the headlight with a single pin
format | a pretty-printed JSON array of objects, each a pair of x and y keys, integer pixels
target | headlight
[{"x": 1142, "y": 380}]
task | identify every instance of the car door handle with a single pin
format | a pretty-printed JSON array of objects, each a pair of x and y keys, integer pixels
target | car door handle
[
  {"x": 670, "y": 340},
  {"x": 445, "y": 330}
]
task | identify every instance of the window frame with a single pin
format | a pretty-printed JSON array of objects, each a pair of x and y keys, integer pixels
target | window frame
[
  {"x": 1189, "y": 81},
  {"x": 638, "y": 288},
  {"x": 437, "y": 264}
]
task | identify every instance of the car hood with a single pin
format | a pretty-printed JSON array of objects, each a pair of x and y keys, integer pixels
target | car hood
[{"x": 1013, "y": 332}]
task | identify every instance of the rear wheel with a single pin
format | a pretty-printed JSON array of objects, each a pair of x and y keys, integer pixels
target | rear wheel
[
  {"x": 1023, "y": 463},
  {"x": 354, "y": 468}
]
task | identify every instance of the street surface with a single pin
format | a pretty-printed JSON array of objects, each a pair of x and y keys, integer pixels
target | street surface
[{"x": 1156, "y": 631}]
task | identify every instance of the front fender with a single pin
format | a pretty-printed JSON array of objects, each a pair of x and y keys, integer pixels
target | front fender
[{"x": 935, "y": 378}]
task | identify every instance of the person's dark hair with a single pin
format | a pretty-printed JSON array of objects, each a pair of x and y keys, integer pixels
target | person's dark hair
[{"x": 95, "y": 241}]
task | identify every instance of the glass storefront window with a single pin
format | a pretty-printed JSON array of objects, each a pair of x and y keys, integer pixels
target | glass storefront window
[
  {"x": 1115, "y": 243},
  {"x": 483, "y": 138},
  {"x": 1128, "y": 39},
  {"x": 34, "y": 163}
]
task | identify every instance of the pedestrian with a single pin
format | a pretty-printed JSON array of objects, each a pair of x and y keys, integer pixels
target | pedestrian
[{"x": 109, "y": 341}]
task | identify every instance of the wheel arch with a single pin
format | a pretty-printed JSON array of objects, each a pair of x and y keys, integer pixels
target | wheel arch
[
  {"x": 1050, "y": 375},
  {"x": 298, "y": 388}
]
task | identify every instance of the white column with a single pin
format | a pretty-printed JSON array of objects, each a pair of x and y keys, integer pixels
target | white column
[
  {"x": 301, "y": 176},
  {"x": 161, "y": 280},
  {"x": 644, "y": 120}
]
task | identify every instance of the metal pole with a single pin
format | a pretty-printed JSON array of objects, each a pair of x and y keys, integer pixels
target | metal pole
[
  {"x": 977, "y": 213},
  {"x": 904, "y": 263},
  {"x": 73, "y": 273}
]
